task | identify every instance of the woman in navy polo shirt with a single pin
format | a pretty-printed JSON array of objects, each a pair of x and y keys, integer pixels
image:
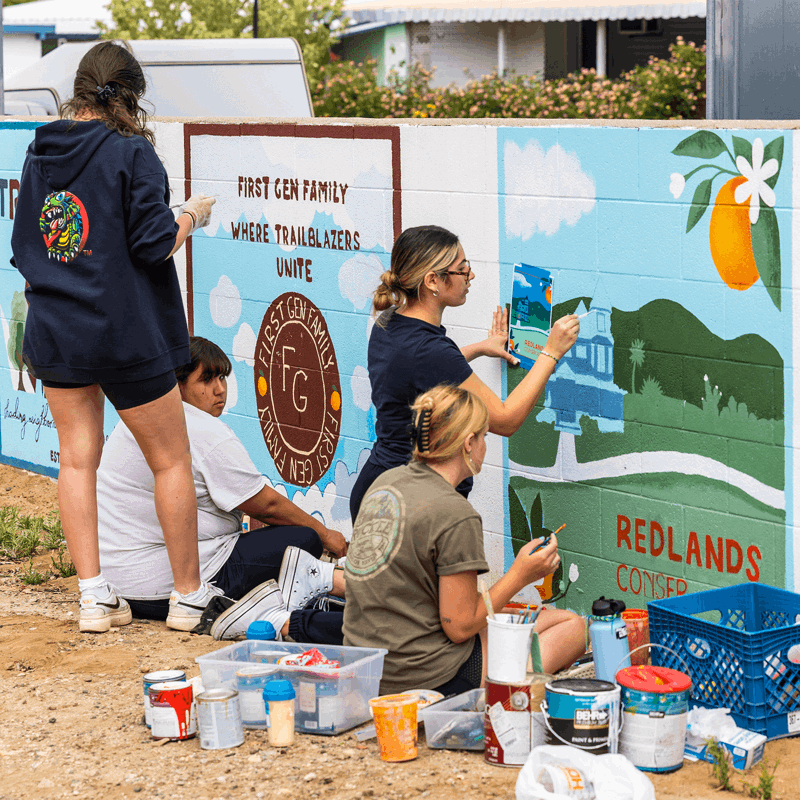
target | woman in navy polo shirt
[{"x": 410, "y": 352}]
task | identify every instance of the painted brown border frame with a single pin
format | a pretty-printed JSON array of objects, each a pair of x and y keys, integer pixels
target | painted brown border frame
[{"x": 390, "y": 133}]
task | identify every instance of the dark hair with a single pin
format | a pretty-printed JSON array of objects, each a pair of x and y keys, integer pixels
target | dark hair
[
  {"x": 110, "y": 83},
  {"x": 207, "y": 355},
  {"x": 416, "y": 252}
]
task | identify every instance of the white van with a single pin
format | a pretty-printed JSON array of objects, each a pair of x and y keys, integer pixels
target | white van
[{"x": 185, "y": 78}]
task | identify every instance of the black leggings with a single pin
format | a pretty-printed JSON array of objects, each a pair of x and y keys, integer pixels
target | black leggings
[{"x": 468, "y": 675}]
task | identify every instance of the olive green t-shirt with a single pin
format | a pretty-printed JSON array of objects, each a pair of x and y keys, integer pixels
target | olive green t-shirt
[{"x": 413, "y": 527}]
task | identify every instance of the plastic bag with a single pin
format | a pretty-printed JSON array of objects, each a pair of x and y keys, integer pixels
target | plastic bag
[
  {"x": 710, "y": 723},
  {"x": 606, "y": 777}
]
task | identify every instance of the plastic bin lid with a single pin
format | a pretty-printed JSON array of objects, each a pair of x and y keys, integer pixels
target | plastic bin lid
[
  {"x": 261, "y": 629},
  {"x": 278, "y": 690},
  {"x": 660, "y": 680}
]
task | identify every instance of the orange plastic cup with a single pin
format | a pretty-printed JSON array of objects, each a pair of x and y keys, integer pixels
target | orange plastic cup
[
  {"x": 395, "y": 718},
  {"x": 636, "y": 621}
]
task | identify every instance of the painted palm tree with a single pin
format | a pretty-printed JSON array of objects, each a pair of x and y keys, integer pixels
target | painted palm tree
[{"x": 637, "y": 359}]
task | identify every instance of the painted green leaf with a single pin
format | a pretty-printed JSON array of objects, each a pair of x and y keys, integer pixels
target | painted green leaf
[
  {"x": 741, "y": 147},
  {"x": 700, "y": 201},
  {"x": 774, "y": 150},
  {"x": 767, "y": 252},
  {"x": 703, "y": 144},
  {"x": 520, "y": 532}
]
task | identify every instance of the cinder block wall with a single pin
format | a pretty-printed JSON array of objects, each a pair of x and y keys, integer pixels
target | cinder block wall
[{"x": 665, "y": 441}]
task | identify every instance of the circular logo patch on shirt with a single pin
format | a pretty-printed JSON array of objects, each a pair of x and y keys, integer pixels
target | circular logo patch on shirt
[
  {"x": 64, "y": 224},
  {"x": 377, "y": 536},
  {"x": 298, "y": 394}
]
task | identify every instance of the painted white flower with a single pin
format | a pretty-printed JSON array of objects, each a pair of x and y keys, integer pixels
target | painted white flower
[
  {"x": 677, "y": 183},
  {"x": 755, "y": 187}
]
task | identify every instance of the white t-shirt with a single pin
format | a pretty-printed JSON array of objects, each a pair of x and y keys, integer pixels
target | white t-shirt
[{"x": 133, "y": 555}]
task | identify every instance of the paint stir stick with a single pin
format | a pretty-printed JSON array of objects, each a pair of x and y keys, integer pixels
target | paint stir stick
[{"x": 486, "y": 599}]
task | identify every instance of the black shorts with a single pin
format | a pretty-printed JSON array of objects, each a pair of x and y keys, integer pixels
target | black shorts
[
  {"x": 468, "y": 675},
  {"x": 127, "y": 395}
]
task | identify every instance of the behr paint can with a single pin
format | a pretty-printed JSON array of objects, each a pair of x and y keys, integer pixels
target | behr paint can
[
  {"x": 172, "y": 710},
  {"x": 582, "y": 713},
  {"x": 161, "y": 676},
  {"x": 219, "y": 719},
  {"x": 507, "y": 723},
  {"x": 655, "y": 707}
]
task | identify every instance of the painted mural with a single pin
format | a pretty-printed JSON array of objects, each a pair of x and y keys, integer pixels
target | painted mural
[{"x": 660, "y": 440}]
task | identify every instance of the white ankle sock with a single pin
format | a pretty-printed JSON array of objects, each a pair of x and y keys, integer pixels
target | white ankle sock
[
  {"x": 98, "y": 586},
  {"x": 197, "y": 594}
]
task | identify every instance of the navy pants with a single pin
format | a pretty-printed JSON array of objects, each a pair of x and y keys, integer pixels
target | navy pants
[{"x": 256, "y": 558}]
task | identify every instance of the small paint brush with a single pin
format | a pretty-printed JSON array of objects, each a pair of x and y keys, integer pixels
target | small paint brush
[
  {"x": 546, "y": 540},
  {"x": 591, "y": 311},
  {"x": 487, "y": 600}
]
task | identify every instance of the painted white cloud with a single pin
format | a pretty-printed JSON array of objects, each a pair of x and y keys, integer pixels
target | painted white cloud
[
  {"x": 233, "y": 393},
  {"x": 225, "y": 303},
  {"x": 521, "y": 280},
  {"x": 244, "y": 345},
  {"x": 360, "y": 386},
  {"x": 359, "y": 277},
  {"x": 544, "y": 189},
  {"x": 574, "y": 573}
]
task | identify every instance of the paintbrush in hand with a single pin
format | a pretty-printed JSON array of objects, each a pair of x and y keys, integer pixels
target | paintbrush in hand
[{"x": 486, "y": 599}]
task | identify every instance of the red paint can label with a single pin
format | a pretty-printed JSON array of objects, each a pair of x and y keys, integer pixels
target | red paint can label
[
  {"x": 507, "y": 723},
  {"x": 172, "y": 710}
]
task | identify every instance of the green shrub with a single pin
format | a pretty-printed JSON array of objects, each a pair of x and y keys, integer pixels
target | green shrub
[{"x": 672, "y": 88}]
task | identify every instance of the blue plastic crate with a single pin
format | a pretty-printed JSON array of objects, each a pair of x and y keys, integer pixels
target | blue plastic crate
[{"x": 734, "y": 642}]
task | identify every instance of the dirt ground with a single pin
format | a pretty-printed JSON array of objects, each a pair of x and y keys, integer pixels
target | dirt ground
[{"x": 71, "y": 717}]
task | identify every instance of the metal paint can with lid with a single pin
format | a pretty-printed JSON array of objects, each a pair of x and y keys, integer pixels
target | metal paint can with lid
[
  {"x": 158, "y": 677},
  {"x": 507, "y": 723},
  {"x": 250, "y": 681},
  {"x": 172, "y": 710},
  {"x": 219, "y": 719}
]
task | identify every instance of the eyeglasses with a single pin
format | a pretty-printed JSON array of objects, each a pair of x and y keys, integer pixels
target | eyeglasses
[{"x": 464, "y": 274}]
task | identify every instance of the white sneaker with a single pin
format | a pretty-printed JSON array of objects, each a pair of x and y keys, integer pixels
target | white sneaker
[
  {"x": 303, "y": 578},
  {"x": 185, "y": 609},
  {"x": 99, "y": 615},
  {"x": 264, "y": 602}
]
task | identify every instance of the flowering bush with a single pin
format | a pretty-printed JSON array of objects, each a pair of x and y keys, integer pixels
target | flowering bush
[{"x": 672, "y": 88}]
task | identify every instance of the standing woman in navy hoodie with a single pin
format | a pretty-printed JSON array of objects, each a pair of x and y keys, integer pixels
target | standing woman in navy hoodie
[{"x": 94, "y": 238}]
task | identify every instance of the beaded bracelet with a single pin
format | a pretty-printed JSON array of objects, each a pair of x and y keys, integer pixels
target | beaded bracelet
[{"x": 550, "y": 355}]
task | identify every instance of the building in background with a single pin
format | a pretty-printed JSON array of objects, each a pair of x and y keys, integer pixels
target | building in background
[
  {"x": 30, "y": 30},
  {"x": 547, "y": 38}
]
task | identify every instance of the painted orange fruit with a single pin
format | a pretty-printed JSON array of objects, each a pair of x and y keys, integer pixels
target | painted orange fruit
[
  {"x": 262, "y": 385},
  {"x": 336, "y": 400},
  {"x": 548, "y": 294},
  {"x": 730, "y": 238}
]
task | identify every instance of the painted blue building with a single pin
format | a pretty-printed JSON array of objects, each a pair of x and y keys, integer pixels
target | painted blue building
[{"x": 583, "y": 382}]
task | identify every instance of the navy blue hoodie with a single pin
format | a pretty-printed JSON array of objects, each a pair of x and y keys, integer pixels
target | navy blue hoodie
[{"x": 92, "y": 235}]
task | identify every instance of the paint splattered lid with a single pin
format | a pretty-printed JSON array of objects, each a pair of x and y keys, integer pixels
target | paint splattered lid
[{"x": 660, "y": 680}]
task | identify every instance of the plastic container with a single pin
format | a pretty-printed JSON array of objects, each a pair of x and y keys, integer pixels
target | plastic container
[
  {"x": 456, "y": 723},
  {"x": 279, "y": 697},
  {"x": 395, "y": 718},
  {"x": 638, "y": 634},
  {"x": 738, "y": 653},
  {"x": 609, "y": 636},
  {"x": 355, "y": 682}
]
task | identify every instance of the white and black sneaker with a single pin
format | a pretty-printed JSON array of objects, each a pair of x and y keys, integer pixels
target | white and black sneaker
[
  {"x": 303, "y": 578},
  {"x": 185, "y": 610},
  {"x": 100, "y": 611},
  {"x": 265, "y": 602}
]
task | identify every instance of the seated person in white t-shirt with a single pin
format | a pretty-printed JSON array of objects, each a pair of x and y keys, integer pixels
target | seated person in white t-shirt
[{"x": 133, "y": 555}]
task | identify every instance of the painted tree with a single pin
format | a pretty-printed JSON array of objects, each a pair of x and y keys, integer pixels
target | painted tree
[
  {"x": 312, "y": 22},
  {"x": 637, "y": 359},
  {"x": 16, "y": 331}
]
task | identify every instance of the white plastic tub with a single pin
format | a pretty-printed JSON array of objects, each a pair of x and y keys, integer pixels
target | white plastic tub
[{"x": 453, "y": 724}]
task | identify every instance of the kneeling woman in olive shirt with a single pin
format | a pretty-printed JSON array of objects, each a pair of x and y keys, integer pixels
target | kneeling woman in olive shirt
[{"x": 416, "y": 553}]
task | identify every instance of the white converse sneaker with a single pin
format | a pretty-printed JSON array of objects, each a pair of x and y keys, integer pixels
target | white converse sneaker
[
  {"x": 99, "y": 614},
  {"x": 185, "y": 609},
  {"x": 303, "y": 578},
  {"x": 263, "y": 602}
]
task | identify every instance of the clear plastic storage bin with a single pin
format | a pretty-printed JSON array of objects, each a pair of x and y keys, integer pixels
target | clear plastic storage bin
[
  {"x": 327, "y": 701},
  {"x": 454, "y": 724}
]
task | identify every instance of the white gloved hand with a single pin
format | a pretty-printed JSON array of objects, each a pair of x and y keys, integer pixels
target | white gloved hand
[{"x": 198, "y": 206}]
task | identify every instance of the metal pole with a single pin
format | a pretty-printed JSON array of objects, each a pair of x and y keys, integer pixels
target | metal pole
[
  {"x": 501, "y": 49},
  {"x": 255, "y": 19},
  {"x": 2, "y": 99},
  {"x": 601, "y": 47}
]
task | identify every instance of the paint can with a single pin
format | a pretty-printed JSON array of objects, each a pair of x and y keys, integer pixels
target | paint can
[
  {"x": 582, "y": 713},
  {"x": 161, "y": 676},
  {"x": 655, "y": 708},
  {"x": 250, "y": 681},
  {"x": 319, "y": 707},
  {"x": 267, "y": 656},
  {"x": 507, "y": 723},
  {"x": 172, "y": 710},
  {"x": 539, "y": 681},
  {"x": 219, "y": 720}
]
